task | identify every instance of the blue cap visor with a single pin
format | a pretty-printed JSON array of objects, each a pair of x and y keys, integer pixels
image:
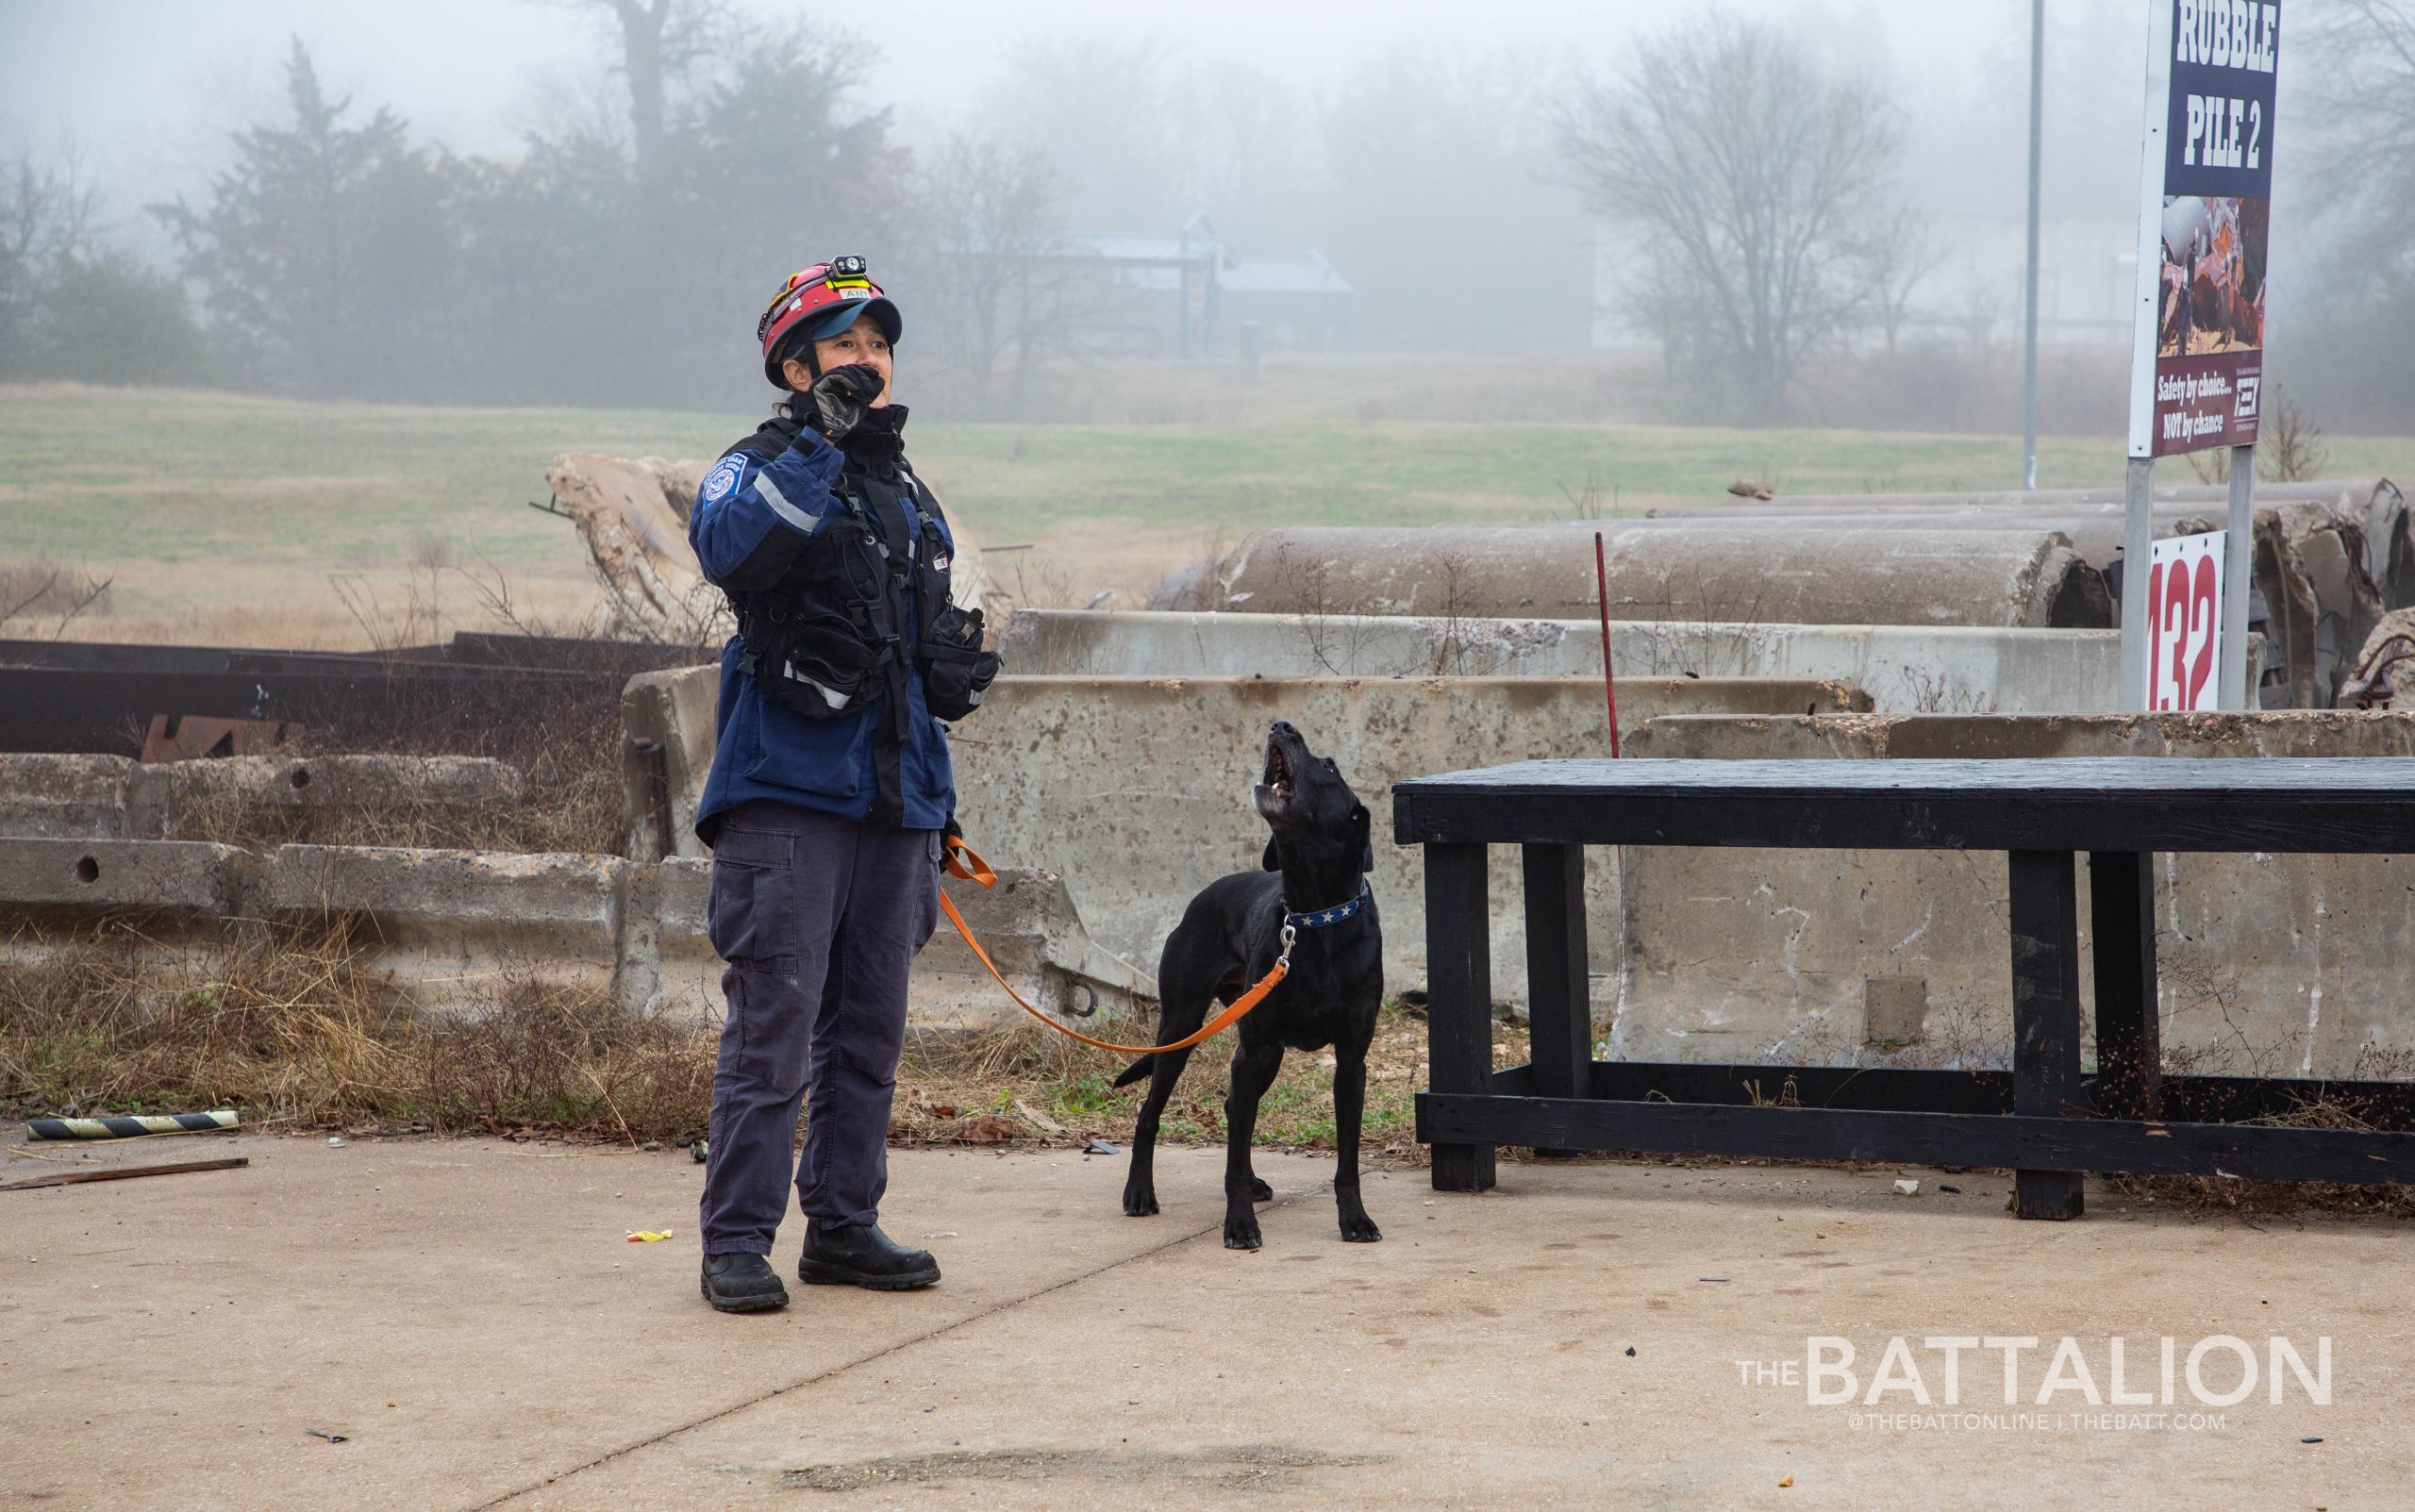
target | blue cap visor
[{"x": 841, "y": 316}]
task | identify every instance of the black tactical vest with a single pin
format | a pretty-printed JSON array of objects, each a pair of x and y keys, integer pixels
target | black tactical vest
[{"x": 867, "y": 603}]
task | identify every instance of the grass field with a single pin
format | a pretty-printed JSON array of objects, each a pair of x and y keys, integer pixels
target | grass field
[{"x": 238, "y": 520}]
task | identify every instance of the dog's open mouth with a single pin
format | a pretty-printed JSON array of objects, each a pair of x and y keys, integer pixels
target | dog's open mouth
[
  {"x": 1279, "y": 772},
  {"x": 1278, "y": 784}
]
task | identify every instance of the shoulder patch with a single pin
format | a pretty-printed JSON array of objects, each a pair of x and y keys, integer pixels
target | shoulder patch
[{"x": 724, "y": 477}]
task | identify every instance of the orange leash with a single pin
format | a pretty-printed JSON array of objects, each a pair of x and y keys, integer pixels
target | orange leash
[{"x": 963, "y": 862}]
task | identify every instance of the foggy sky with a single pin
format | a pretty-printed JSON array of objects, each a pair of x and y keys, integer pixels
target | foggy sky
[{"x": 150, "y": 88}]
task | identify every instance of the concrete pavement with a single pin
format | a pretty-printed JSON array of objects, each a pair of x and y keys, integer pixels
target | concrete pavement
[{"x": 469, "y": 1316}]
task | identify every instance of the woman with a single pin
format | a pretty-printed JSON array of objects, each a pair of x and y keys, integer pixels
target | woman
[{"x": 830, "y": 791}]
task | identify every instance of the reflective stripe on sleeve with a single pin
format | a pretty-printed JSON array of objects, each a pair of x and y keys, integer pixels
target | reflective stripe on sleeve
[{"x": 780, "y": 505}]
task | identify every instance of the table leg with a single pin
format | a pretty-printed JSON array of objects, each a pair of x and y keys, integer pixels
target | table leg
[
  {"x": 2129, "y": 1044},
  {"x": 2045, "y": 1016},
  {"x": 1559, "y": 1006},
  {"x": 1458, "y": 1008}
]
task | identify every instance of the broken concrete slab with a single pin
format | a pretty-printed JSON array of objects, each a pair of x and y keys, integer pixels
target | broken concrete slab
[
  {"x": 2384, "y": 676},
  {"x": 454, "y": 926},
  {"x": 667, "y": 746},
  {"x": 51, "y": 877},
  {"x": 116, "y": 797},
  {"x": 2282, "y": 964},
  {"x": 56, "y": 795}
]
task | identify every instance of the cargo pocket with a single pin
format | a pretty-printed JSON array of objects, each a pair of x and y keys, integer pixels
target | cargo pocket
[
  {"x": 775, "y": 1026},
  {"x": 930, "y": 901},
  {"x": 752, "y": 911}
]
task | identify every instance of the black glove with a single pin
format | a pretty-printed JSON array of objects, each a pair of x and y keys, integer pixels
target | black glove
[{"x": 840, "y": 395}]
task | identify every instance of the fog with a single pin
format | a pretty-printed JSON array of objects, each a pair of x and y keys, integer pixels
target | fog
[{"x": 1408, "y": 151}]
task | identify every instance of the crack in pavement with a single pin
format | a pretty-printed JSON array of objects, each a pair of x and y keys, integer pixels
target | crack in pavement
[{"x": 942, "y": 1330}]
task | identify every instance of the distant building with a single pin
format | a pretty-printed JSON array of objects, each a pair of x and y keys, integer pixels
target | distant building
[{"x": 1188, "y": 295}]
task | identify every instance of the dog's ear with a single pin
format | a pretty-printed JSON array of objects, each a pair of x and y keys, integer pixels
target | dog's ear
[
  {"x": 1365, "y": 828},
  {"x": 1272, "y": 859}
]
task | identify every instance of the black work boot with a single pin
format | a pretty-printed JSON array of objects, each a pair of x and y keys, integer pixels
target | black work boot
[
  {"x": 860, "y": 1255},
  {"x": 742, "y": 1282}
]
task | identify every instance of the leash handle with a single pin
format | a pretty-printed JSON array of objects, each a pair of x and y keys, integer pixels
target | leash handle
[{"x": 963, "y": 862}]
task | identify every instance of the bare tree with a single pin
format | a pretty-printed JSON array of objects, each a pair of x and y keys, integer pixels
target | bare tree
[
  {"x": 1100, "y": 107},
  {"x": 2358, "y": 307},
  {"x": 2366, "y": 158},
  {"x": 2289, "y": 444},
  {"x": 998, "y": 280},
  {"x": 1748, "y": 181},
  {"x": 661, "y": 41},
  {"x": 46, "y": 219},
  {"x": 47, "y": 212},
  {"x": 1889, "y": 262}
]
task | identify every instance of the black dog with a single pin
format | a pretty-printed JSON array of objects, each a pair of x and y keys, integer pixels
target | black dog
[{"x": 1314, "y": 880}]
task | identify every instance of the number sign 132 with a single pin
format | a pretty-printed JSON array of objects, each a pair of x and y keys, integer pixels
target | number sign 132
[{"x": 2184, "y": 622}]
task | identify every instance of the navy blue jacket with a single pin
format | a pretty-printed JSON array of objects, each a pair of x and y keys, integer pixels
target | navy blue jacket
[{"x": 752, "y": 521}]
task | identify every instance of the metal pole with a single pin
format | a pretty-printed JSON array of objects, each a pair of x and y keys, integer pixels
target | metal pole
[
  {"x": 2138, "y": 542},
  {"x": 2037, "y": 144},
  {"x": 1609, "y": 687},
  {"x": 2237, "y": 684}
]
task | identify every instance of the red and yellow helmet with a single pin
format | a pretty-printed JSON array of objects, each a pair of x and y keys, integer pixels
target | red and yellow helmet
[{"x": 821, "y": 301}]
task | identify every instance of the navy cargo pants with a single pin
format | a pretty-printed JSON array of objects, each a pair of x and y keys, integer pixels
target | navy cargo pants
[{"x": 818, "y": 918}]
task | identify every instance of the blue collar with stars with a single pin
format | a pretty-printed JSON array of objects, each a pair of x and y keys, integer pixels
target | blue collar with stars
[{"x": 1329, "y": 916}]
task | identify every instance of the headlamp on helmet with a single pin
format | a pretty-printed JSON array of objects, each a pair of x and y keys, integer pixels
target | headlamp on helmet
[{"x": 816, "y": 303}]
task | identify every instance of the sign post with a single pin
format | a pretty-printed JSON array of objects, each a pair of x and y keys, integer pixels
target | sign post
[{"x": 2197, "y": 354}]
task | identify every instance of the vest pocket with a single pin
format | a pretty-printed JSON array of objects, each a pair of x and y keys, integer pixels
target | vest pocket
[{"x": 824, "y": 756}]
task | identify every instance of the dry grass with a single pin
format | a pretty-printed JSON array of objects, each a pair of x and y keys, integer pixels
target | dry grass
[
  {"x": 988, "y": 1089},
  {"x": 41, "y": 596},
  {"x": 567, "y": 754},
  {"x": 2251, "y": 1198},
  {"x": 285, "y": 1025}
]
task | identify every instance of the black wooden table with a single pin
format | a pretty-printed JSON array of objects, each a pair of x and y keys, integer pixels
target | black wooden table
[{"x": 2046, "y": 1118}]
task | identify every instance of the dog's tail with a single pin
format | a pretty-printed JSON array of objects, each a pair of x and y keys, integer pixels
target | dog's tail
[{"x": 1138, "y": 1071}]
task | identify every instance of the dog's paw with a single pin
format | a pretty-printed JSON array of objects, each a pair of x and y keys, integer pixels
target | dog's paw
[
  {"x": 1260, "y": 1191},
  {"x": 1361, "y": 1230},
  {"x": 1242, "y": 1233},
  {"x": 1140, "y": 1203}
]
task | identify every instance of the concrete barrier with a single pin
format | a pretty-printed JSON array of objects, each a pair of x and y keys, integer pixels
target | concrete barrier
[
  {"x": 1135, "y": 790},
  {"x": 1903, "y": 669},
  {"x": 48, "y": 877},
  {"x": 1819, "y": 573},
  {"x": 667, "y": 734},
  {"x": 119, "y": 798},
  {"x": 2288, "y": 965},
  {"x": 455, "y": 930}
]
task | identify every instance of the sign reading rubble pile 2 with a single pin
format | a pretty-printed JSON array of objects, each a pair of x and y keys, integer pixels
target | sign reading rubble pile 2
[{"x": 2197, "y": 368}]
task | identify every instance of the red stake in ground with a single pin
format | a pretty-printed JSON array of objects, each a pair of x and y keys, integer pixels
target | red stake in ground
[{"x": 1610, "y": 689}]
